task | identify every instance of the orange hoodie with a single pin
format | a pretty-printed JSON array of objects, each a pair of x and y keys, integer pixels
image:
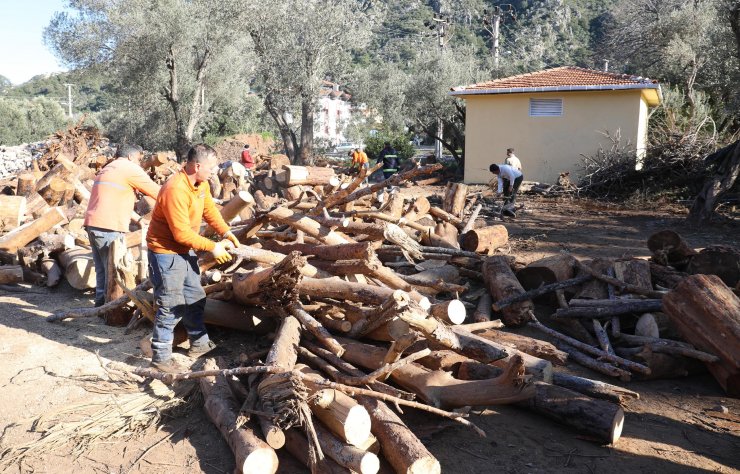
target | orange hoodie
[
  {"x": 112, "y": 196},
  {"x": 177, "y": 216}
]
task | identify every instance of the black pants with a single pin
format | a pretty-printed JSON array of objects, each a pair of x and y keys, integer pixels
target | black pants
[{"x": 511, "y": 195}]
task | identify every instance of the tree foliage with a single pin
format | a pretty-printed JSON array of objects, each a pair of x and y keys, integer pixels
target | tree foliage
[
  {"x": 167, "y": 60},
  {"x": 23, "y": 121},
  {"x": 298, "y": 43}
]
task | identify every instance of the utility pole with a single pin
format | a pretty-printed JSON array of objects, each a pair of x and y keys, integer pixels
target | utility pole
[
  {"x": 439, "y": 24},
  {"x": 69, "y": 99},
  {"x": 492, "y": 24}
]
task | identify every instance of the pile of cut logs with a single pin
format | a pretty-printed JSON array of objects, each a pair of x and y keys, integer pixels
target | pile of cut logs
[{"x": 375, "y": 301}]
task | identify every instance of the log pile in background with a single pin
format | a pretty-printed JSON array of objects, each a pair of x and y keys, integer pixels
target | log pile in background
[{"x": 370, "y": 294}]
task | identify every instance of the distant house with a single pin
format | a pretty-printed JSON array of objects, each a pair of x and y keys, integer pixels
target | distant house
[
  {"x": 551, "y": 118},
  {"x": 335, "y": 112}
]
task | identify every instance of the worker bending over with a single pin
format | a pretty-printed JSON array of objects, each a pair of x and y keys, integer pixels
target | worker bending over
[{"x": 509, "y": 180}]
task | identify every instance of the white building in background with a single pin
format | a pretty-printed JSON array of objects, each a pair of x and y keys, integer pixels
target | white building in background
[{"x": 335, "y": 113}]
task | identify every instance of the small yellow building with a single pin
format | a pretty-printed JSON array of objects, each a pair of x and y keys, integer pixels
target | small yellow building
[{"x": 553, "y": 118}]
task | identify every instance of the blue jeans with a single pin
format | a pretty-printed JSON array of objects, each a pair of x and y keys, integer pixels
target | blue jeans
[
  {"x": 100, "y": 242},
  {"x": 179, "y": 296}
]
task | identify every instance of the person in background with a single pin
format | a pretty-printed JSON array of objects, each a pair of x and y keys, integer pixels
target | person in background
[
  {"x": 110, "y": 206},
  {"x": 509, "y": 180},
  {"x": 247, "y": 159},
  {"x": 389, "y": 157},
  {"x": 360, "y": 160},
  {"x": 183, "y": 202},
  {"x": 512, "y": 160}
]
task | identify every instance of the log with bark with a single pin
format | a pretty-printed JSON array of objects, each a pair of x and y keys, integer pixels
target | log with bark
[
  {"x": 502, "y": 283},
  {"x": 720, "y": 260},
  {"x": 485, "y": 239},
  {"x": 310, "y": 175},
  {"x": 707, "y": 313},
  {"x": 597, "y": 419},
  {"x": 670, "y": 249},
  {"x": 251, "y": 453},
  {"x": 594, "y": 388},
  {"x": 454, "y": 199},
  {"x": 10, "y": 274},
  {"x": 439, "y": 388},
  {"x": 545, "y": 271},
  {"x": 24, "y": 234}
]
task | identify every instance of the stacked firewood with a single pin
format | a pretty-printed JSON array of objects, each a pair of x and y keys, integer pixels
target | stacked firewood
[
  {"x": 365, "y": 291},
  {"x": 375, "y": 301}
]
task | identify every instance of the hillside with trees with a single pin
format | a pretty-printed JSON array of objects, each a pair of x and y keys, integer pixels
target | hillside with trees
[{"x": 246, "y": 66}]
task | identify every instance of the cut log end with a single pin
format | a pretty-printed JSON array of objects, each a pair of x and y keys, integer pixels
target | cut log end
[
  {"x": 357, "y": 426},
  {"x": 260, "y": 461},
  {"x": 617, "y": 426}
]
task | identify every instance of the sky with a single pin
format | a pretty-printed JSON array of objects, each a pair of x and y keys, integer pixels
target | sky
[{"x": 22, "y": 50}]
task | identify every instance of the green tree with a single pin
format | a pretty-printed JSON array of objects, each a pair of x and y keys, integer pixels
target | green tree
[
  {"x": 24, "y": 121},
  {"x": 171, "y": 54},
  {"x": 297, "y": 44}
]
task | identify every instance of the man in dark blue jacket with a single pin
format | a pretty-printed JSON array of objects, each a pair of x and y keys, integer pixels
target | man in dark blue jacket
[{"x": 389, "y": 157}]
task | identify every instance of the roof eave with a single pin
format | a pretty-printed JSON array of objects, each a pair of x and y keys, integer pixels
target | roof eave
[{"x": 521, "y": 90}]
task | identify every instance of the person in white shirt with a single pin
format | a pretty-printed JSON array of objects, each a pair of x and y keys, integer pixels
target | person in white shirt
[
  {"x": 512, "y": 160},
  {"x": 509, "y": 180}
]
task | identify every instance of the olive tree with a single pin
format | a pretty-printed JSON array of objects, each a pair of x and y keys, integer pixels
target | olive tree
[
  {"x": 167, "y": 59},
  {"x": 297, "y": 44}
]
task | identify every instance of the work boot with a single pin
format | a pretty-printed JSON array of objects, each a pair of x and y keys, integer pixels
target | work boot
[
  {"x": 196, "y": 351},
  {"x": 168, "y": 366}
]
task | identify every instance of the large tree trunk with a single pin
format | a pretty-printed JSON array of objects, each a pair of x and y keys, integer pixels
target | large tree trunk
[
  {"x": 721, "y": 181},
  {"x": 707, "y": 313},
  {"x": 306, "y": 152}
]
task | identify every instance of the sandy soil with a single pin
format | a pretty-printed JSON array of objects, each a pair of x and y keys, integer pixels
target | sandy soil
[{"x": 672, "y": 428}]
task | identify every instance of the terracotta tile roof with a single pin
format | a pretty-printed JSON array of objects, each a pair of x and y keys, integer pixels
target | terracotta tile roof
[{"x": 558, "y": 79}]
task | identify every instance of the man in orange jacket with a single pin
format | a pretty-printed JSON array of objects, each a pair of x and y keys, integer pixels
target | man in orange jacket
[
  {"x": 109, "y": 208},
  {"x": 184, "y": 201}
]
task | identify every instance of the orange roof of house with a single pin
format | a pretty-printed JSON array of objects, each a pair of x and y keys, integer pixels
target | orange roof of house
[{"x": 559, "y": 79}]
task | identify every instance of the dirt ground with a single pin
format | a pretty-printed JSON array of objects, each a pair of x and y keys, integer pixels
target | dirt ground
[{"x": 673, "y": 428}]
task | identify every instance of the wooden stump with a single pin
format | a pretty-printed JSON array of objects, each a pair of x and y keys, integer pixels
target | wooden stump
[
  {"x": 485, "y": 239},
  {"x": 669, "y": 248},
  {"x": 79, "y": 268},
  {"x": 26, "y": 184}
]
